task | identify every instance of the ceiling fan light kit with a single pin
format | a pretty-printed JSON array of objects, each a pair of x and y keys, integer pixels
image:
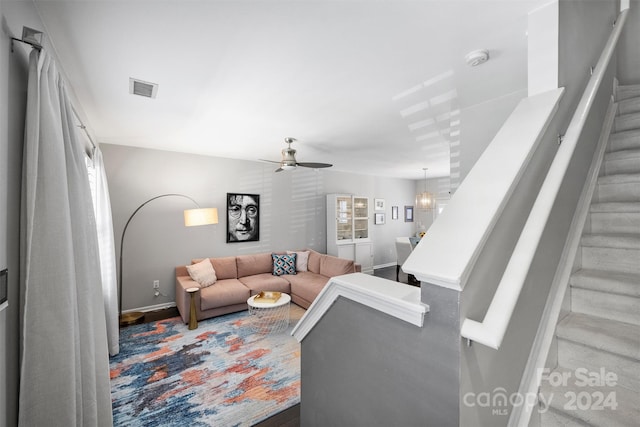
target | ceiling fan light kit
[{"x": 289, "y": 162}]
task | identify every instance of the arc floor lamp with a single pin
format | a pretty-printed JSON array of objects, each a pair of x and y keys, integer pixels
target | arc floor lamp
[{"x": 192, "y": 217}]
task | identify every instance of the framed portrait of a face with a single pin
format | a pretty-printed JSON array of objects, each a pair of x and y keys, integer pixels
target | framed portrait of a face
[{"x": 243, "y": 217}]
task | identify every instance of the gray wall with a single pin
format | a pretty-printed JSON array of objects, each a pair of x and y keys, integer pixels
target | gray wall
[
  {"x": 584, "y": 29},
  {"x": 13, "y": 97},
  {"x": 629, "y": 62},
  {"x": 361, "y": 367},
  {"x": 293, "y": 211}
]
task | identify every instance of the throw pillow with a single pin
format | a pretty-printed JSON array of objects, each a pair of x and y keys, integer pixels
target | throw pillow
[
  {"x": 302, "y": 259},
  {"x": 284, "y": 264},
  {"x": 203, "y": 273}
]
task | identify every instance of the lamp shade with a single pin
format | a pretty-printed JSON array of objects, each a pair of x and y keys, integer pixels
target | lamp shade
[
  {"x": 202, "y": 216},
  {"x": 425, "y": 200}
]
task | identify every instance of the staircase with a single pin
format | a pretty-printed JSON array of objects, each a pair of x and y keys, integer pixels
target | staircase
[{"x": 597, "y": 380}]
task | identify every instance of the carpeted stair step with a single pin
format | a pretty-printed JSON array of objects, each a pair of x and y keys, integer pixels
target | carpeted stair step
[
  {"x": 619, "y": 252},
  {"x": 630, "y": 105},
  {"x": 618, "y": 188},
  {"x": 622, "y": 162},
  {"x": 606, "y": 294},
  {"x": 615, "y": 217},
  {"x": 627, "y": 140},
  {"x": 612, "y": 240},
  {"x": 627, "y": 121},
  {"x": 627, "y": 91},
  {"x": 591, "y": 343},
  {"x": 573, "y": 405}
]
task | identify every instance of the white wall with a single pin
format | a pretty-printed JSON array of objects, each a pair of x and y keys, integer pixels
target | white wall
[
  {"x": 478, "y": 125},
  {"x": 292, "y": 211}
]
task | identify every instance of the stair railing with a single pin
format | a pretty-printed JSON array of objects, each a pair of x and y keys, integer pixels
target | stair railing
[{"x": 490, "y": 332}]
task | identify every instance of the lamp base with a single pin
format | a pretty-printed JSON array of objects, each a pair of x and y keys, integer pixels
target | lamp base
[{"x": 131, "y": 318}]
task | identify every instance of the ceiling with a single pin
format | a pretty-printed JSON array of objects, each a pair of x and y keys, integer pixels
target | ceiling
[{"x": 372, "y": 87}]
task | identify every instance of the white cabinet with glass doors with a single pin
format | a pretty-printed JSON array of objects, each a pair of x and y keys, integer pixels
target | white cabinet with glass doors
[{"x": 348, "y": 229}]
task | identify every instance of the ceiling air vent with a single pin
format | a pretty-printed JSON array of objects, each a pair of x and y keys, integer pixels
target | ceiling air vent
[{"x": 139, "y": 87}]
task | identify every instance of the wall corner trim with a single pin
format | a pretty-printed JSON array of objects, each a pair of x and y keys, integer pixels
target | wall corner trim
[{"x": 396, "y": 299}]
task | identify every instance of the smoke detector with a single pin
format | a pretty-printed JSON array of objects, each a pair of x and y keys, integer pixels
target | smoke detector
[
  {"x": 477, "y": 57},
  {"x": 141, "y": 88}
]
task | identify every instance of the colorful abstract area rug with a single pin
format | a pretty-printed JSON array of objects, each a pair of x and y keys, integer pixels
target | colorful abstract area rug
[{"x": 220, "y": 374}]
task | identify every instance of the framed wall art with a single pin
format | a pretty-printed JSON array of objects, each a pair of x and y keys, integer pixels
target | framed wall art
[
  {"x": 378, "y": 218},
  {"x": 408, "y": 214},
  {"x": 394, "y": 212},
  {"x": 378, "y": 204},
  {"x": 243, "y": 217}
]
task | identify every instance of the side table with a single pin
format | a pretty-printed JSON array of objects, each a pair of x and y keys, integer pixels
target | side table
[
  {"x": 193, "y": 321},
  {"x": 269, "y": 317}
]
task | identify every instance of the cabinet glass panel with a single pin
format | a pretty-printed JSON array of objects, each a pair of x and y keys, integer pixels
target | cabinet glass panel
[
  {"x": 361, "y": 230},
  {"x": 361, "y": 207},
  {"x": 344, "y": 218}
]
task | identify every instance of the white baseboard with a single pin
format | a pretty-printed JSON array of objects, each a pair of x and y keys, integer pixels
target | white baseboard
[
  {"x": 151, "y": 307},
  {"x": 389, "y": 264}
]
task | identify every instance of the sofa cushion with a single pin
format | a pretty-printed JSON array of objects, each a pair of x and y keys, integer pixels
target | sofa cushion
[
  {"x": 266, "y": 282},
  {"x": 331, "y": 266},
  {"x": 302, "y": 260},
  {"x": 284, "y": 264},
  {"x": 225, "y": 267},
  {"x": 307, "y": 285},
  {"x": 314, "y": 261},
  {"x": 203, "y": 273},
  {"x": 225, "y": 292},
  {"x": 248, "y": 265}
]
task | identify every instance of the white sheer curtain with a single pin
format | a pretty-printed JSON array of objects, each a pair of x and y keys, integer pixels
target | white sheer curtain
[
  {"x": 104, "y": 224},
  {"x": 65, "y": 363}
]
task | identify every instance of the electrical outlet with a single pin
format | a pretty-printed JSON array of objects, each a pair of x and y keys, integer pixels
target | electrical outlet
[{"x": 156, "y": 284}]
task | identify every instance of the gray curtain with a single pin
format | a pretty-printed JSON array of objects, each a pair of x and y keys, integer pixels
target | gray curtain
[{"x": 65, "y": 364}]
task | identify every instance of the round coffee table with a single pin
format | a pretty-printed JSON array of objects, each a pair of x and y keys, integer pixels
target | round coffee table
[{"x": 269, "y": 317}]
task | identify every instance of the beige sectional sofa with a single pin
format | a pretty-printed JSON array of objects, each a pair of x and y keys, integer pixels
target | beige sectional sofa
[{"x": 240, "y": 277}]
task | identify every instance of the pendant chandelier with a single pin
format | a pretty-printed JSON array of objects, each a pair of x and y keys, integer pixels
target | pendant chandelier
[{"x": 425, "y": 200}]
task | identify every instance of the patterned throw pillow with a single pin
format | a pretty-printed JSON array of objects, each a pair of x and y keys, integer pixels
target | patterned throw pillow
[{"x": 284, "y": 264}]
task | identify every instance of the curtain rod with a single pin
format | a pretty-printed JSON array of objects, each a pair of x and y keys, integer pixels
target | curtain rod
[
  {"x": 30, "y": 33},
  {"x": 84, "y": 128},
  {"x": 32, "y": 44}
]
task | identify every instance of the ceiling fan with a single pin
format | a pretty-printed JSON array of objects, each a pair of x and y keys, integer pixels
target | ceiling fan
[{"x": 289, "y": 162}]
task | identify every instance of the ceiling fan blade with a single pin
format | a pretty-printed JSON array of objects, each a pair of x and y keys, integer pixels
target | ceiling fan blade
[
  {"x": 279, "y": 170},
  {"x": 270, "y": 161},
  {"x": 314, "y": 165}
]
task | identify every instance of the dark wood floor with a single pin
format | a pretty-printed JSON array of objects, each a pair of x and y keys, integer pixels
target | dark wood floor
[{"x": 289, "y": 417}]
